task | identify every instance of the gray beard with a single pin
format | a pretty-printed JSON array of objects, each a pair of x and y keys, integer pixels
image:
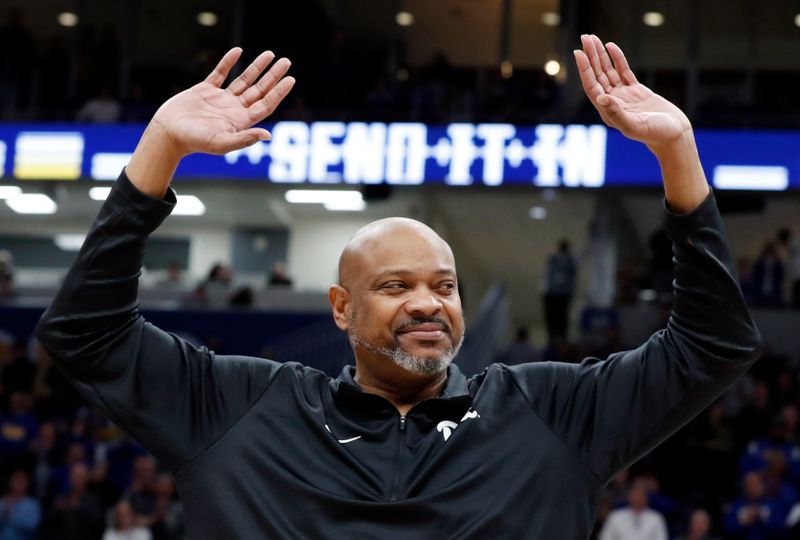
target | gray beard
[{"x": 415, "y": 364}]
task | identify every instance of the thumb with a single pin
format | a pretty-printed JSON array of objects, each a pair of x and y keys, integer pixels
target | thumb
[
  {"x": 610, "y": 105},
  {"x": 227, "y": 142}
]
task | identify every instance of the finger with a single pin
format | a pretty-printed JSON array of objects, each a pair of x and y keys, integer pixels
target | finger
[
  {"x": 220, "y": 73},
  {"x": 588, "y": 81},
  {"x": 267, "y": 105},
  {"x": 612, "y": 110},
  {"x": 621, "y": 64},
  {"x": 595, "y": 50},
  {"x": 605, "y": 62},
  {"x": 266, "y": 82},
  {"x": 250, "y": 75},
  {"x": 223, "y": 143}
]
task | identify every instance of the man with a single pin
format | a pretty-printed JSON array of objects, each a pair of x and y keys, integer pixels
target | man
[
  {"x": 19, "y": 513},
  {"x": 699, "y": 526},
  {"x": 403, "y": 445},
  {"x": 559, "y": 289},
  {"x": 637, "y": 521}
]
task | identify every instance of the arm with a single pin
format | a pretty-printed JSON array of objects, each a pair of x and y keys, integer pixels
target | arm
[
  {"x": 174, "y": 398},
  {"x": 610, "y": 413}
]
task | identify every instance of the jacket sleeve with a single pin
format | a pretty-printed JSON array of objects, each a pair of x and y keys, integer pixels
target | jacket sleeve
[
  {"x": 174, "y": 398},
  {"x": 614, "y": 411}
]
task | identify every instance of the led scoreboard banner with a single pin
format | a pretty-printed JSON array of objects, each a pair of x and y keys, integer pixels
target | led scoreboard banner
[{"x": 459, "y": 154}]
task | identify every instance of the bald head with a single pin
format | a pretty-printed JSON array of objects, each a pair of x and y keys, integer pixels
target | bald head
[{"x": 388, "y": 240}]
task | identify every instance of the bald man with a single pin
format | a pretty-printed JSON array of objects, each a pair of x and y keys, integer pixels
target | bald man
[{"x": 401, "y": 445}]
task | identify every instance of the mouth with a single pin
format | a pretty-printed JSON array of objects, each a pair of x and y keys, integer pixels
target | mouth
[{"x": 431, "y": 331}]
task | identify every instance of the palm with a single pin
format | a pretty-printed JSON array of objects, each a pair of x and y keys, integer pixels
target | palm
[
  {"x": 623, "y": 102},
  {"x": 207, "y": 118}
]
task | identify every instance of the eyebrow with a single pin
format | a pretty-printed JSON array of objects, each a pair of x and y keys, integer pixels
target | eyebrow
[{"x": 403, "y": 272}]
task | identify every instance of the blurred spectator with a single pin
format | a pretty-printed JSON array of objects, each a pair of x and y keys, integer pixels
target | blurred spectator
[
  {"x": 520, "y": 351},
  {"x": 20, "y": 514},
  {"x": 173, "y": 281},
  {"x": 767, "y": 278},
  {"x": 168, "y": 523},
  {"x": 18, "y": 428},
  {"x": 754, "y": 416},
  {"x": 637, "y": 522},
  {"x": 124, "y": 526},
  {"x": 278, "y": 277},
  {"x": 136, "y": 109},
  {"x": 753, "y": 516},
  {"x": 101, "y": 109},
  {"x": 220, "y": 277},
  {"x": 791, "y": 248},
  {"x": 699, "y": 527},
  {"x": 745, "y": 271},
  {"x": 77, "y": 513},
  {"x": 559, "y": 289},
  {"x": 141, "y": 494},
  {"x": 6, "y": 274}
]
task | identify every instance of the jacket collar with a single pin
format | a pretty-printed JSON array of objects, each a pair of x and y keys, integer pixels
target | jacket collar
[{"x": 455, "y": 395}]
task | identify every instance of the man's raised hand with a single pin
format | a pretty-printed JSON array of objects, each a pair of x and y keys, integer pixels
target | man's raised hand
[
  {"x": 214, "y": 120},
  {"x": 622, "y": 101}
]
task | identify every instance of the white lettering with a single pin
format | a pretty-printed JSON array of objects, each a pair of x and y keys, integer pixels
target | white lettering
[
  {"x": 364, "y": 151},
  {"x": 545, "y": 154},
  {"x": 582, "y": 156},
  {"x": 324, "y": 152},
  {"x": 289, "y": 151},
  {"x": 462, "y": 154},
  {"x": 495, "y": 136},
  {"x": 407, "y": 150}
]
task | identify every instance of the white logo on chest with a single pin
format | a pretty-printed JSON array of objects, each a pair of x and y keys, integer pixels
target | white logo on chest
[{"x": 446, "y": 427}]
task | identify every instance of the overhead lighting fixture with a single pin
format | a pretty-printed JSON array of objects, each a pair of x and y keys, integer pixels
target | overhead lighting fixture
[
  {"x": 653, "y": 18},
  {"x": 552, "y": 67},
  {"x": 797, "y": 20},
  {"x": 538, "y": 212},
  {"x": 551, "y": 18},
  {"x": 69, "y": 242},
  {"x": 32, "y": 203},
  {"x": 207, "y": 18},
  {"x": 67, "y": 18},
  {"x": 189, "y": 205},
  {"x": 99, "y": 193},
  {"x": 506, "y": 69},
  {"x": 9, "y": 191},
  {"x": 331, "y": 200},
  {"x": 402, "y": 74},
  {"x": 404, "y": 18}
]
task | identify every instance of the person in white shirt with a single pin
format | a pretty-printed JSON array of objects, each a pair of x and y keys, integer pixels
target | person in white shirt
[
  {"x": 124, "y": 527},
  {"x": 636, "y": 522}
]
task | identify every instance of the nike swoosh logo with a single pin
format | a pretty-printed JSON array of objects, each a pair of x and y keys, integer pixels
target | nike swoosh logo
[{"x": 343, "y": 441}]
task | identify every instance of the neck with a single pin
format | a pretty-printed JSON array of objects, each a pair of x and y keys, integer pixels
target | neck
[{"x": 402, "y": 393}]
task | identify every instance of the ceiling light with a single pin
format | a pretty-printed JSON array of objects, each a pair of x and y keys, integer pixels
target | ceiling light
[
  {"x": 404, "y": 18},
  {"x": 9, "y": 191},
  {"x": 69, "y": 242},
  {"x": 319, "y": 196},
  {"x": 188, "y": 205},
  {"x": 538, "y": 212},
  {"x": 99, "y": 193},
  {"x": 552, "y": 67},
  {"x": 551, "y": 18},
  {"x": 797, "y": 19},
  {"x": 506, "y": 69},
  {"x": 32, "y": 203},
  {"x": 67, "y": 18},
  {"x": 653, "y": 18},
  {"x": 346, "y": 206},
  {"x": 206, "y": 18}
]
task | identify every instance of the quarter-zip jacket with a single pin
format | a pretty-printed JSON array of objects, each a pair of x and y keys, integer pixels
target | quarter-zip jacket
[{"x": 261, "y": 449}]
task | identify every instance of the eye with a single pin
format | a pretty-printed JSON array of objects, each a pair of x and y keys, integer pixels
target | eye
[
  {"x": 393, "y": 286},
  {"x": 447, "y": 286}
]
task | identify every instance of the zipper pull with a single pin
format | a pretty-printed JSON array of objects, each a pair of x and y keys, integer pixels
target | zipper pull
[{"x": 402, "y": 423}]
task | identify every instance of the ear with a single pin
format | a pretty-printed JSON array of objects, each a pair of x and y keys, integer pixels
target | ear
[{"x": 339, "y": 297}]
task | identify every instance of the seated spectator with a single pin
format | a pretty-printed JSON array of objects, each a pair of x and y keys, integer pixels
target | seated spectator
[
  {"x": 754, "y": 516},
  {"x": 124, "y": 525},
  {"x": 18, "y": 429},
  {"x": 168, "y": 523},
  {"x": 637, "y": 522},
  {"x": 141, "y": 494},
  {"x": 101, "y": 109},
  {"x": 173, "y": 281},
  {"x": 699, "y": 527},
  {"x": 278, "y": 277},
  {"x": 19, "y": 513},
  {"x": 78, "y": 512},
  {"x": 520, "y": 351},
  {"x": 767, "y": 278},
  {"x": 6, "y": 274}
]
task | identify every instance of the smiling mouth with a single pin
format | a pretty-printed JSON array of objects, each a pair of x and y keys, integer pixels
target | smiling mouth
[{"x": 425, "y": 331}]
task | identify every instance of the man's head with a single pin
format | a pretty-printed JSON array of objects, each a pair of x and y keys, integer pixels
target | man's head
[
  {"x": 753, "y": 486},
  {"x": 699, "y": 524},
  {"x": 18, "y": 484},
  {"x": 637, "y": 496},
  {"x": 397, "y": 298}
]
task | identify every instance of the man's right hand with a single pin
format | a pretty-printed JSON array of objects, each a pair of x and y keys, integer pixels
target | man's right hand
[{"x": 207, "y": 118}]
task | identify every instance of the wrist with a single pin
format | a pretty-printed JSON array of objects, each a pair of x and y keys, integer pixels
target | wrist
[
  {"x": 682, "y": 145},
  {"x": 154, "y": 161}
]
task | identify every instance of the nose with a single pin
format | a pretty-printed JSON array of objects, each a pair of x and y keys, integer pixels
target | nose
[{"x": 423, "y": 302}]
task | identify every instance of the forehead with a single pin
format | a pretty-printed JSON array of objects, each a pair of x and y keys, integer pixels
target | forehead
[{"x": 406, "y": 249}]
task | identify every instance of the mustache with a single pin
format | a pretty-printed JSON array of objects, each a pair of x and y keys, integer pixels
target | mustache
[{"x": 426, "y": 320}]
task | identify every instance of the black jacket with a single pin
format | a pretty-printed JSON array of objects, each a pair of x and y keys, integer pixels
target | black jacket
[{"x": 267, "y": 450}]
